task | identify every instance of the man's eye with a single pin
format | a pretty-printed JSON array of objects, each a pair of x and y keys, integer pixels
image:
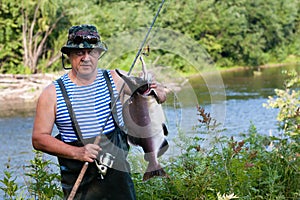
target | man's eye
[
  {"x": 93, "y": 53},
  {"x": 79, "y": 53}
]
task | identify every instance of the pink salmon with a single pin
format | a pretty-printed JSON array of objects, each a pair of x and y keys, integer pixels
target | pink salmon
[{"x": 145, "y": 122}]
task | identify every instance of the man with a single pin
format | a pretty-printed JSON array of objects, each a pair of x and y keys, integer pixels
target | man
[{"x": 91, "y": 93}]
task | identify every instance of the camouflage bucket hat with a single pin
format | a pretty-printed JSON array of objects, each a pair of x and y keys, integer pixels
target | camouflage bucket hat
[{"x": 83, "y": 37}]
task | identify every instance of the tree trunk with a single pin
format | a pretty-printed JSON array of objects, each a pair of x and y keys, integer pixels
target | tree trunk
[{"x": 34, "y": 43}]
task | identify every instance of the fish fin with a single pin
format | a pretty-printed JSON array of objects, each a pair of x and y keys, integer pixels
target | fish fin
[
  {"x": 159, "y": 172},
  {"x": 163, "y": 148},
  {"x": 133, "y": 140},
  {"x": 165, "y": 129}
]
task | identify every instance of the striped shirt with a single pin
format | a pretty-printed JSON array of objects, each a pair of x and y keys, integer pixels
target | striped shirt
[{"x": 91, "y": 105}]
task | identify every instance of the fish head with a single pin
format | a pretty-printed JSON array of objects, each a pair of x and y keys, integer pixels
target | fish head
[
  {"x": 135, "y": 84},
  {"x": 139, "y": 85}
]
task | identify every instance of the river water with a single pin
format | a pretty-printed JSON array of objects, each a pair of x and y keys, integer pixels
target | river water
[{"x": 237, "y": 108}]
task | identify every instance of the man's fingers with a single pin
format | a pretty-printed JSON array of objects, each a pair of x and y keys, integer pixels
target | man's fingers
[{"x": 92, "y": 150}]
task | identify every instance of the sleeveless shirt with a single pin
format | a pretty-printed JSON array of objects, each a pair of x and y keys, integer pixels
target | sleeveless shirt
[{"x": 91, "y": 105}]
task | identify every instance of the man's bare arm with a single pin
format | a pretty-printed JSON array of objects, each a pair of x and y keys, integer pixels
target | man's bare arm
[{"x": 42, "y": 129}]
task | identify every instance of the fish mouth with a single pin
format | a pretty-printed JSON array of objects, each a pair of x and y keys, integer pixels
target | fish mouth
[
  {"x": 135, "y": 84},
  {"x": 138, "y": 85}
]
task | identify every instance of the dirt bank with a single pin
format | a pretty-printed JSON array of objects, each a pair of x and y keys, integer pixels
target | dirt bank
[{"x": 19, "y": 93}]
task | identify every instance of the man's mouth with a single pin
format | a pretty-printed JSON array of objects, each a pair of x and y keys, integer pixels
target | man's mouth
[{"x": 85, "y": 65}]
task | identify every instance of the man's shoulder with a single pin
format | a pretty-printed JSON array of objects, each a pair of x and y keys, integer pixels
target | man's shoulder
[{"x": 49, "y": 89}]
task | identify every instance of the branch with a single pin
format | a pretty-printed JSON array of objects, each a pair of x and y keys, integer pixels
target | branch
[
  {"x": 48, "y": 32},
  {"x": 53, "y": 59},
  {"x": 36, "y": 41},
  {"x": 31, "y": 32},
  {"x": 24, "y": 31}
]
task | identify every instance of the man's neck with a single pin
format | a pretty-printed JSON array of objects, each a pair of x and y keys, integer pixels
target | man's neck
[{"x": 82, "y": 79}]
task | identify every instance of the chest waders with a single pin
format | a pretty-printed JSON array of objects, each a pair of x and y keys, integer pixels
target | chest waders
[{"x": 109, "y": 176}]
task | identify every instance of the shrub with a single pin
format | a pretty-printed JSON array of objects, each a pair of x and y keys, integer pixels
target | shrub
[{"x": 40, "y": 181}]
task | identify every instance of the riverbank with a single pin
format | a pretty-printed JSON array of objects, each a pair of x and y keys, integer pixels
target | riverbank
[{"x": 19, "y": 93}]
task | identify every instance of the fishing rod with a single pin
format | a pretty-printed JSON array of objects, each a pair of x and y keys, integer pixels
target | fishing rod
[
  {"x": 97, "y": 140},
  {"x": 145, "y": 39}
]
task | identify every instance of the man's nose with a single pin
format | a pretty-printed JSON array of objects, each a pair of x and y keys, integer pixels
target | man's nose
[{"x": 86, "y": 54}]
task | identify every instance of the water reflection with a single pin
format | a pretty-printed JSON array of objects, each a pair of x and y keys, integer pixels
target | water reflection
[
  {"x": 244, "y": 84},
  {"x": 16, "y": 143}
]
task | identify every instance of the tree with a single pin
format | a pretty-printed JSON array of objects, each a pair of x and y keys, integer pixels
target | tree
[
  {"x": 39, "y": 19},
  {"x": 234, "y": 32},
  {"x": 10, "y": 40}
]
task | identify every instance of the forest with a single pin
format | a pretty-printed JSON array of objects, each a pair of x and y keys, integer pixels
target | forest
[{"x": 232, "y": 32}]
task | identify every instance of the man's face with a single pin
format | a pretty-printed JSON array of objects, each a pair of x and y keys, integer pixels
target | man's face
[{"x": 84, "y": 61}]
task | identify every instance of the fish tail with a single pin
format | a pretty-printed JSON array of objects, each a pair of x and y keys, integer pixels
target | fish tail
[{"x": 159, "y": 172}]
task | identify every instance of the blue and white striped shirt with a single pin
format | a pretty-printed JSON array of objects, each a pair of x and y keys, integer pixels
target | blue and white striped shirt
[{"x": 91, "y": 105}]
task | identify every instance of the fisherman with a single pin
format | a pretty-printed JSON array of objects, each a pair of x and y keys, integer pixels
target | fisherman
[{"x": 91, "y": 93}]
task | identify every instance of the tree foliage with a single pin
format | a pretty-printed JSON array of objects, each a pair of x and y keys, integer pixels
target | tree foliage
[
  {"x": 10, "y": 35},
  {"x": 234, "y": 32},
  {"x": 36, "y": 30}
]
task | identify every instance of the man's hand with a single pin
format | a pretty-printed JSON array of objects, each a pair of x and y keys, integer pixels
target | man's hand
[
  {"x": 88, "y": 153},
  {"x": 160, "y": 91}
]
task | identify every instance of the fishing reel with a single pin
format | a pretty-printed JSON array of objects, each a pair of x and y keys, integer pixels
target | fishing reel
[{"x": 105, "y": 161}]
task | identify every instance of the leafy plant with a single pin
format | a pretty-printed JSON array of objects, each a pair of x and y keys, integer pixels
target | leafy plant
[
  {"x": 40, "y": 181},
  {"x": 44, "y": 184},
  {"x": 10, "y": 187},
  {"x": 287, "y": 100}
]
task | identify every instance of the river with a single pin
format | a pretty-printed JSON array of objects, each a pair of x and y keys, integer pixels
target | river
[{"x": 236, "y": 110}]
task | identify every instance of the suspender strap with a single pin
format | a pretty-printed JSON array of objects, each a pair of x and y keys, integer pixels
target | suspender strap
[
  {"x": 71, "y": 112},
  {"x": 112, "y": 98},
  {"x": 75, "y": 124}
]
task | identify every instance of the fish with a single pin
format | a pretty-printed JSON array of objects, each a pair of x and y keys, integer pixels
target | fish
[{"x": 145, "y": 122}]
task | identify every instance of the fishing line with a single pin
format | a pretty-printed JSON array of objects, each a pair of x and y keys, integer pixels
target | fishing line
[
  {"x": 145, "y": 39},
  {"x": 137, "y": 55}
]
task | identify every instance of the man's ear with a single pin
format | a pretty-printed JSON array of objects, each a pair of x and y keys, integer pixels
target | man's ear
[{"x": 65, "y": 61}]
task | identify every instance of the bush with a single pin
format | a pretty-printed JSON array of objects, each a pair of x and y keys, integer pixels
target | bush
[{"x": 40, "y": 181}]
